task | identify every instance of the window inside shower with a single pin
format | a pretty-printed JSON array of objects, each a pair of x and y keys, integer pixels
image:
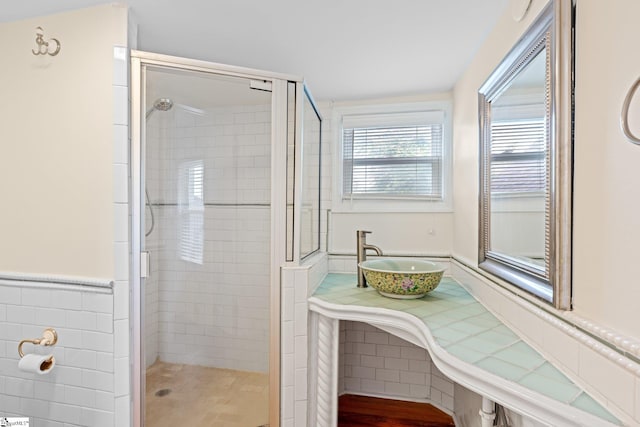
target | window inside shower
[{"x": 207, "y": 169}]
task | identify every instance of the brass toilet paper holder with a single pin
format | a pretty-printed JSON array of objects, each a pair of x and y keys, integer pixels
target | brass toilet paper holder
[{"x": 49, "y": 337}]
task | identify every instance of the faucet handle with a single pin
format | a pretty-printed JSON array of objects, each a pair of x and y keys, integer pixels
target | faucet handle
[{"x": 361, "y": 236}]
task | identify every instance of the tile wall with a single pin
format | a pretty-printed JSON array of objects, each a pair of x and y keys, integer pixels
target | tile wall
[
  {"x": 209, "y": 297},
  {"x": 374, "y": 362},
  {"x": 121, "y": 231},
  {"x": 80, "y": 390},
  {"x": 298, "y": 282}
]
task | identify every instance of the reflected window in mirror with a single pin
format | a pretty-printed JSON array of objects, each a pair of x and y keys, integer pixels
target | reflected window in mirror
[
  {"x": 526, "y": 143},
  {"x": 518, "y": 173}
]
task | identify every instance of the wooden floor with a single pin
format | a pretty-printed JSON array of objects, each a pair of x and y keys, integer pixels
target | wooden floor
[{"x": 362, "y": 411}]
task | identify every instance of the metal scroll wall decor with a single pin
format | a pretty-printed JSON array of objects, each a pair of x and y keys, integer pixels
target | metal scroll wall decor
[{"x": 49, "y": 47}]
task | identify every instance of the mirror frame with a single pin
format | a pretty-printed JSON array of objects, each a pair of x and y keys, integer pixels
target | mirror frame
[
  {"x": 315, "y": 217},
  {"x": 551, "y": 33}
]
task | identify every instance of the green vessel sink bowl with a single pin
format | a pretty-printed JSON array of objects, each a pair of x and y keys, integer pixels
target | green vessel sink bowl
[{"x": 402, "y": 278}]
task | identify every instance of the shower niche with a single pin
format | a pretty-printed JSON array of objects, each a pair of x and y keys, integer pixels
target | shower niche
[{"x": 223, "y": 195}]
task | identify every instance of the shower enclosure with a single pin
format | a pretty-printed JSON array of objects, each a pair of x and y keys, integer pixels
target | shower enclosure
[{"x": 217, "y": 174}]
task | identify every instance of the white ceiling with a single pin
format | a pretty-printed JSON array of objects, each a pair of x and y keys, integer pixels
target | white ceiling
[{"x": 345, "y": 49}]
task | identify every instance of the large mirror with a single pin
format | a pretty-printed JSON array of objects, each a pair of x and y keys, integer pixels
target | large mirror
[{"x": 525, "y": 152}]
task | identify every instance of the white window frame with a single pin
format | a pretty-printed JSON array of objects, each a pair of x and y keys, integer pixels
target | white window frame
[{"x": 400, "y": 203}]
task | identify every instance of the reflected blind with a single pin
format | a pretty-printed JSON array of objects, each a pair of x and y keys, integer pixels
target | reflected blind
[
  {"x": 393, "y": 161},
  {"x": 191, "y": 211},
  {"x": 518, "y": 156}
]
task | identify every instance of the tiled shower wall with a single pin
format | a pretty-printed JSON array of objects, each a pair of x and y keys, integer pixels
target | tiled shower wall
[{"x": 209, "y": 293}]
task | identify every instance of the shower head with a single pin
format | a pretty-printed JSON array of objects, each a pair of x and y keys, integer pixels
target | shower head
[
  {"x": 160, "y": 104},
  {"x": 163, "y": 104}
]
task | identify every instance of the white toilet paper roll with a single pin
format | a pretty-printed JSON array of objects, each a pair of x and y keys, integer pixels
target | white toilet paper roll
[{"x": 37, "y": 363}]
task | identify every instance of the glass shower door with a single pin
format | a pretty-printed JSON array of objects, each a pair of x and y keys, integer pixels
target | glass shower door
[{"x": 206, "y": 309}]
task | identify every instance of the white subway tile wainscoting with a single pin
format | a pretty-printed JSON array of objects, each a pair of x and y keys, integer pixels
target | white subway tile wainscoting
[
  {"x": 377, "y": 363},
  {"x": 80, "y": 389}
]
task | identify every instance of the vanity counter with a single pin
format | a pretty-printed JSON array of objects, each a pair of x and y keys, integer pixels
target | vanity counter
[{"x": 466, "y": 342}]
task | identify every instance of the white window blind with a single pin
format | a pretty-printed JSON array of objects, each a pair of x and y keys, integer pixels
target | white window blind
[
  {"x": 518, "y": 156},
  {"x": 191, "y": 211},
  {"x": 393, "y": 156}
]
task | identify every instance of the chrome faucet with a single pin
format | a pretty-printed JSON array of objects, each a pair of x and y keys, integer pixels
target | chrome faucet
[{"x": 361, "y": 237}]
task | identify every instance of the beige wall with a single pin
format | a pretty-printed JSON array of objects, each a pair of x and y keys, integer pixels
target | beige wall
[
  {"x": 394, "y": 233},
  {"x": 607, "y": 207},
  {"x": 607, "y": 166},
  {"x": 414, "y": 231},
  {"x": 56, "y": 161}
]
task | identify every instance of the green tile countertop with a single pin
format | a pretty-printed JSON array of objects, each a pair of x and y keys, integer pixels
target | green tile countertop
[{"x": 464, "y": 329}]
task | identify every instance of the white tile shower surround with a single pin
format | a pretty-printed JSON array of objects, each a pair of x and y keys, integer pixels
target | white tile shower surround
[
  {"x": 376, "y": 363},
  {"x": 236, "y": 153},
  {"x": 214, "y": 313}
]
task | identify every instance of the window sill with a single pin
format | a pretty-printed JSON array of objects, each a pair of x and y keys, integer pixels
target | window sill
[{"x": 391, "y": 206}]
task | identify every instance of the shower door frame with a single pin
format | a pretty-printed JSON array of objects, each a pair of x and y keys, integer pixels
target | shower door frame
[{"x": 279, "y": 135}]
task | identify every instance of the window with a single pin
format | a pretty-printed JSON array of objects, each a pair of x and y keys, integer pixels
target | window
[
  {"x": 191, "y": 211},
  {"x": 394, "y": 159}
]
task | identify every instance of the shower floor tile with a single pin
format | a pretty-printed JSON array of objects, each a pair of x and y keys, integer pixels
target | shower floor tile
[{"x": 200, "y": 396}]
